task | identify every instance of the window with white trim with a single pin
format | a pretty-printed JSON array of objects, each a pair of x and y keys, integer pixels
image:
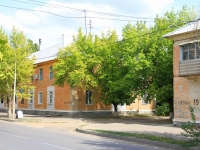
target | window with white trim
[
  {"x": 31, "y": 97},
  {"x": 190, "y": 51},
  {"x": 40, "y": 97},
  {"x": 144, "y": 98},
  {"x": 50, "y": 93},
  {"x": 88, "y": 97}
]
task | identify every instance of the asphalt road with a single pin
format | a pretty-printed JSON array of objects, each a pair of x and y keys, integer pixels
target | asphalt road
[{"x": 14, "y": 136}]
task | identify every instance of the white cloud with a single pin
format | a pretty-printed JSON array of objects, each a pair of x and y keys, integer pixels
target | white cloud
[{"x": 50, "y": 27}]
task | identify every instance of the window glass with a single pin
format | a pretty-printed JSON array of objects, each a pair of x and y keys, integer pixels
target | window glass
[
  {"x": 144, "y": 98},
  {"x": 22, "y": 100},
  {"x": 50, "y": 73},
  {"x": 1, "y": 100},
  {"x": 41, "y": 74},
  {"x": 31, "y": 98},
  {"x": 185, "y": 52},
  {"x": 88, "y": 97},
  {"x": 40, "y": 97},
  {"x": 197, "y": 49},
  {"x": 50, "y": 97},
  {"x": 192, "y": 51}
]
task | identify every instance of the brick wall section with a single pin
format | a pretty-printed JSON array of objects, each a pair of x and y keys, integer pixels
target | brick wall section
[
  {"x": 64, "y": 99},
  {"x": 185, "y": 89},
  {"x": 67, "y": 98},
  {"x": 176, "y": 58}
]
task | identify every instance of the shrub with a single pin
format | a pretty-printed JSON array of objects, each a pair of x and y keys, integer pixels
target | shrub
[
  {"x": 191, "y": 128},
  {"x": 163, "y": 110}
]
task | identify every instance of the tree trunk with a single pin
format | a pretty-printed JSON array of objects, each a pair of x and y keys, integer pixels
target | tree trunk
[
  {"x": 115, "y": 114},
  {"x": 9, "y": 108}
]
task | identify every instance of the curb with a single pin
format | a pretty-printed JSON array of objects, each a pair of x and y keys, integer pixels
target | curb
[
  {"x": 138, "y": 140},
  {"x": 10, "y": 120}
]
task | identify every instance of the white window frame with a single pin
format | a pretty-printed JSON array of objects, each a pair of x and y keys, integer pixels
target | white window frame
[
  {"x": 88, "y": 97},
  {"x": 51, "y": 99},
  {"x": 50, "y": 94},
  {"x": 40, "y": 99},
  {"x": 143, "y": 99},
  {"x": 31, "y": 97}
]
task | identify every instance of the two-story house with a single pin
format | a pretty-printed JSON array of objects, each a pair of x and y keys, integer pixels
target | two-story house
[
  {"x": 49, "y": 99},
  {"x": 186, "y": 71}
]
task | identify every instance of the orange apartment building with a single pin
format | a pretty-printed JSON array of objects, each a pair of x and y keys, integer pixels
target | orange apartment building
[
  {"x": 49, "y": 99},
  {"x": 186, "y": 71}
]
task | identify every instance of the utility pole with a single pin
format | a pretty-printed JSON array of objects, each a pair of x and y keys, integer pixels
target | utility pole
[
  {"x": 40, "y": 41},
  {"x": 85, "y": 22},
  {"x": 90, "y": 25},
  {"x": 62, "y": 41},
  {"x": 14, "y": 94}
]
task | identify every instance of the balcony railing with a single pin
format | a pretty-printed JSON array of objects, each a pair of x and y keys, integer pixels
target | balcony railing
[{"x": 189, "y": 67}]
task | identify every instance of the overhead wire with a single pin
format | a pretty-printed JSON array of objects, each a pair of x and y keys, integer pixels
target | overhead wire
[
  {"x": 65, "y": 16},
  {"x": 80, "y": 10},
  {"x": 38, "y": 11}
]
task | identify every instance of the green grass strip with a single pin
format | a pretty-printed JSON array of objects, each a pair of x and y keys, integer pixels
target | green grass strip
[{"x": 183, "y": 143}]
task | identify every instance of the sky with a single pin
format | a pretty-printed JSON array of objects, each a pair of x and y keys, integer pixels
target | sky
[{"x": 48, "y": 20}]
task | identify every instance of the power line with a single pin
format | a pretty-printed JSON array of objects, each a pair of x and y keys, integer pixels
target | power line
[
  {"x": 38, "y": 11},
  {"x": 65, "y": 16},
  {"x": 117, "y": 19},
  {"x": 136, "y": 36},
  {"x": 85, "y": 22},
  {"x": 81, "y": 10}
]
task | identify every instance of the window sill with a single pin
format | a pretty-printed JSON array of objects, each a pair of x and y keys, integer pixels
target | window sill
[
  {"x": 145, "y": 104},
  {"x": 89, "y": 104}
]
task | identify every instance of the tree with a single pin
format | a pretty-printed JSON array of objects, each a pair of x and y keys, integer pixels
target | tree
[
  {"x": 15, "y": 51},
  {"x": 140, "y": 64},
  {"x": 34, "y": 47},
  {"x": 156, "y": 76},
  {"x": 97, "y": 62}
]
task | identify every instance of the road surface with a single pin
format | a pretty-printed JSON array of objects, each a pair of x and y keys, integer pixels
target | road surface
[{"x": 16, "y": 136}]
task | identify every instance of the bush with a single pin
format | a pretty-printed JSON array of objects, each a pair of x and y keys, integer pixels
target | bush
[
  {"x": 163, "y": 110},
  {"x": 191, "y": 128}
]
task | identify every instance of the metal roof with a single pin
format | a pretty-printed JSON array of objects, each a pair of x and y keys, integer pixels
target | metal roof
[
  {"x": 192, "y": 26},
  {"x": 45, "y": 55}
]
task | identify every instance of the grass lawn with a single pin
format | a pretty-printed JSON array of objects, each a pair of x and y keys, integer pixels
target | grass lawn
[{"x": 183, "y": 143}]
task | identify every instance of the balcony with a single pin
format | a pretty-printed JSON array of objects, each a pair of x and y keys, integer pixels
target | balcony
[{"x": 189, "y": 67}]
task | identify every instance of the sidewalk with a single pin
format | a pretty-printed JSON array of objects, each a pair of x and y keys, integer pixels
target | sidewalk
[{"x": 159, "y": 126}]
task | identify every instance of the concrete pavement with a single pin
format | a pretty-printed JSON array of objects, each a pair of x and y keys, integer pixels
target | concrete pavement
[{"x": 159, "y": 126}]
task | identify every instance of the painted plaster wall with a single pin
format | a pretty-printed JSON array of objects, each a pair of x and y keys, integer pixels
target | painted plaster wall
[
  {"x": 186, "y": 90},
  {"x": 138, "y": 105}
]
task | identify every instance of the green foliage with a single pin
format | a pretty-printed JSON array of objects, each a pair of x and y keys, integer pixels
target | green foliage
[
  {"x": 163, "y": 110},
  {"x": 141, "y": 63},
  {"x": 34, "y": 47},
  {"x": 16, "y": 49},
  {"x": 191, "y": 129},
  {"x": 154, "y": 73},
  {"x": 97, "y": 62}
]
